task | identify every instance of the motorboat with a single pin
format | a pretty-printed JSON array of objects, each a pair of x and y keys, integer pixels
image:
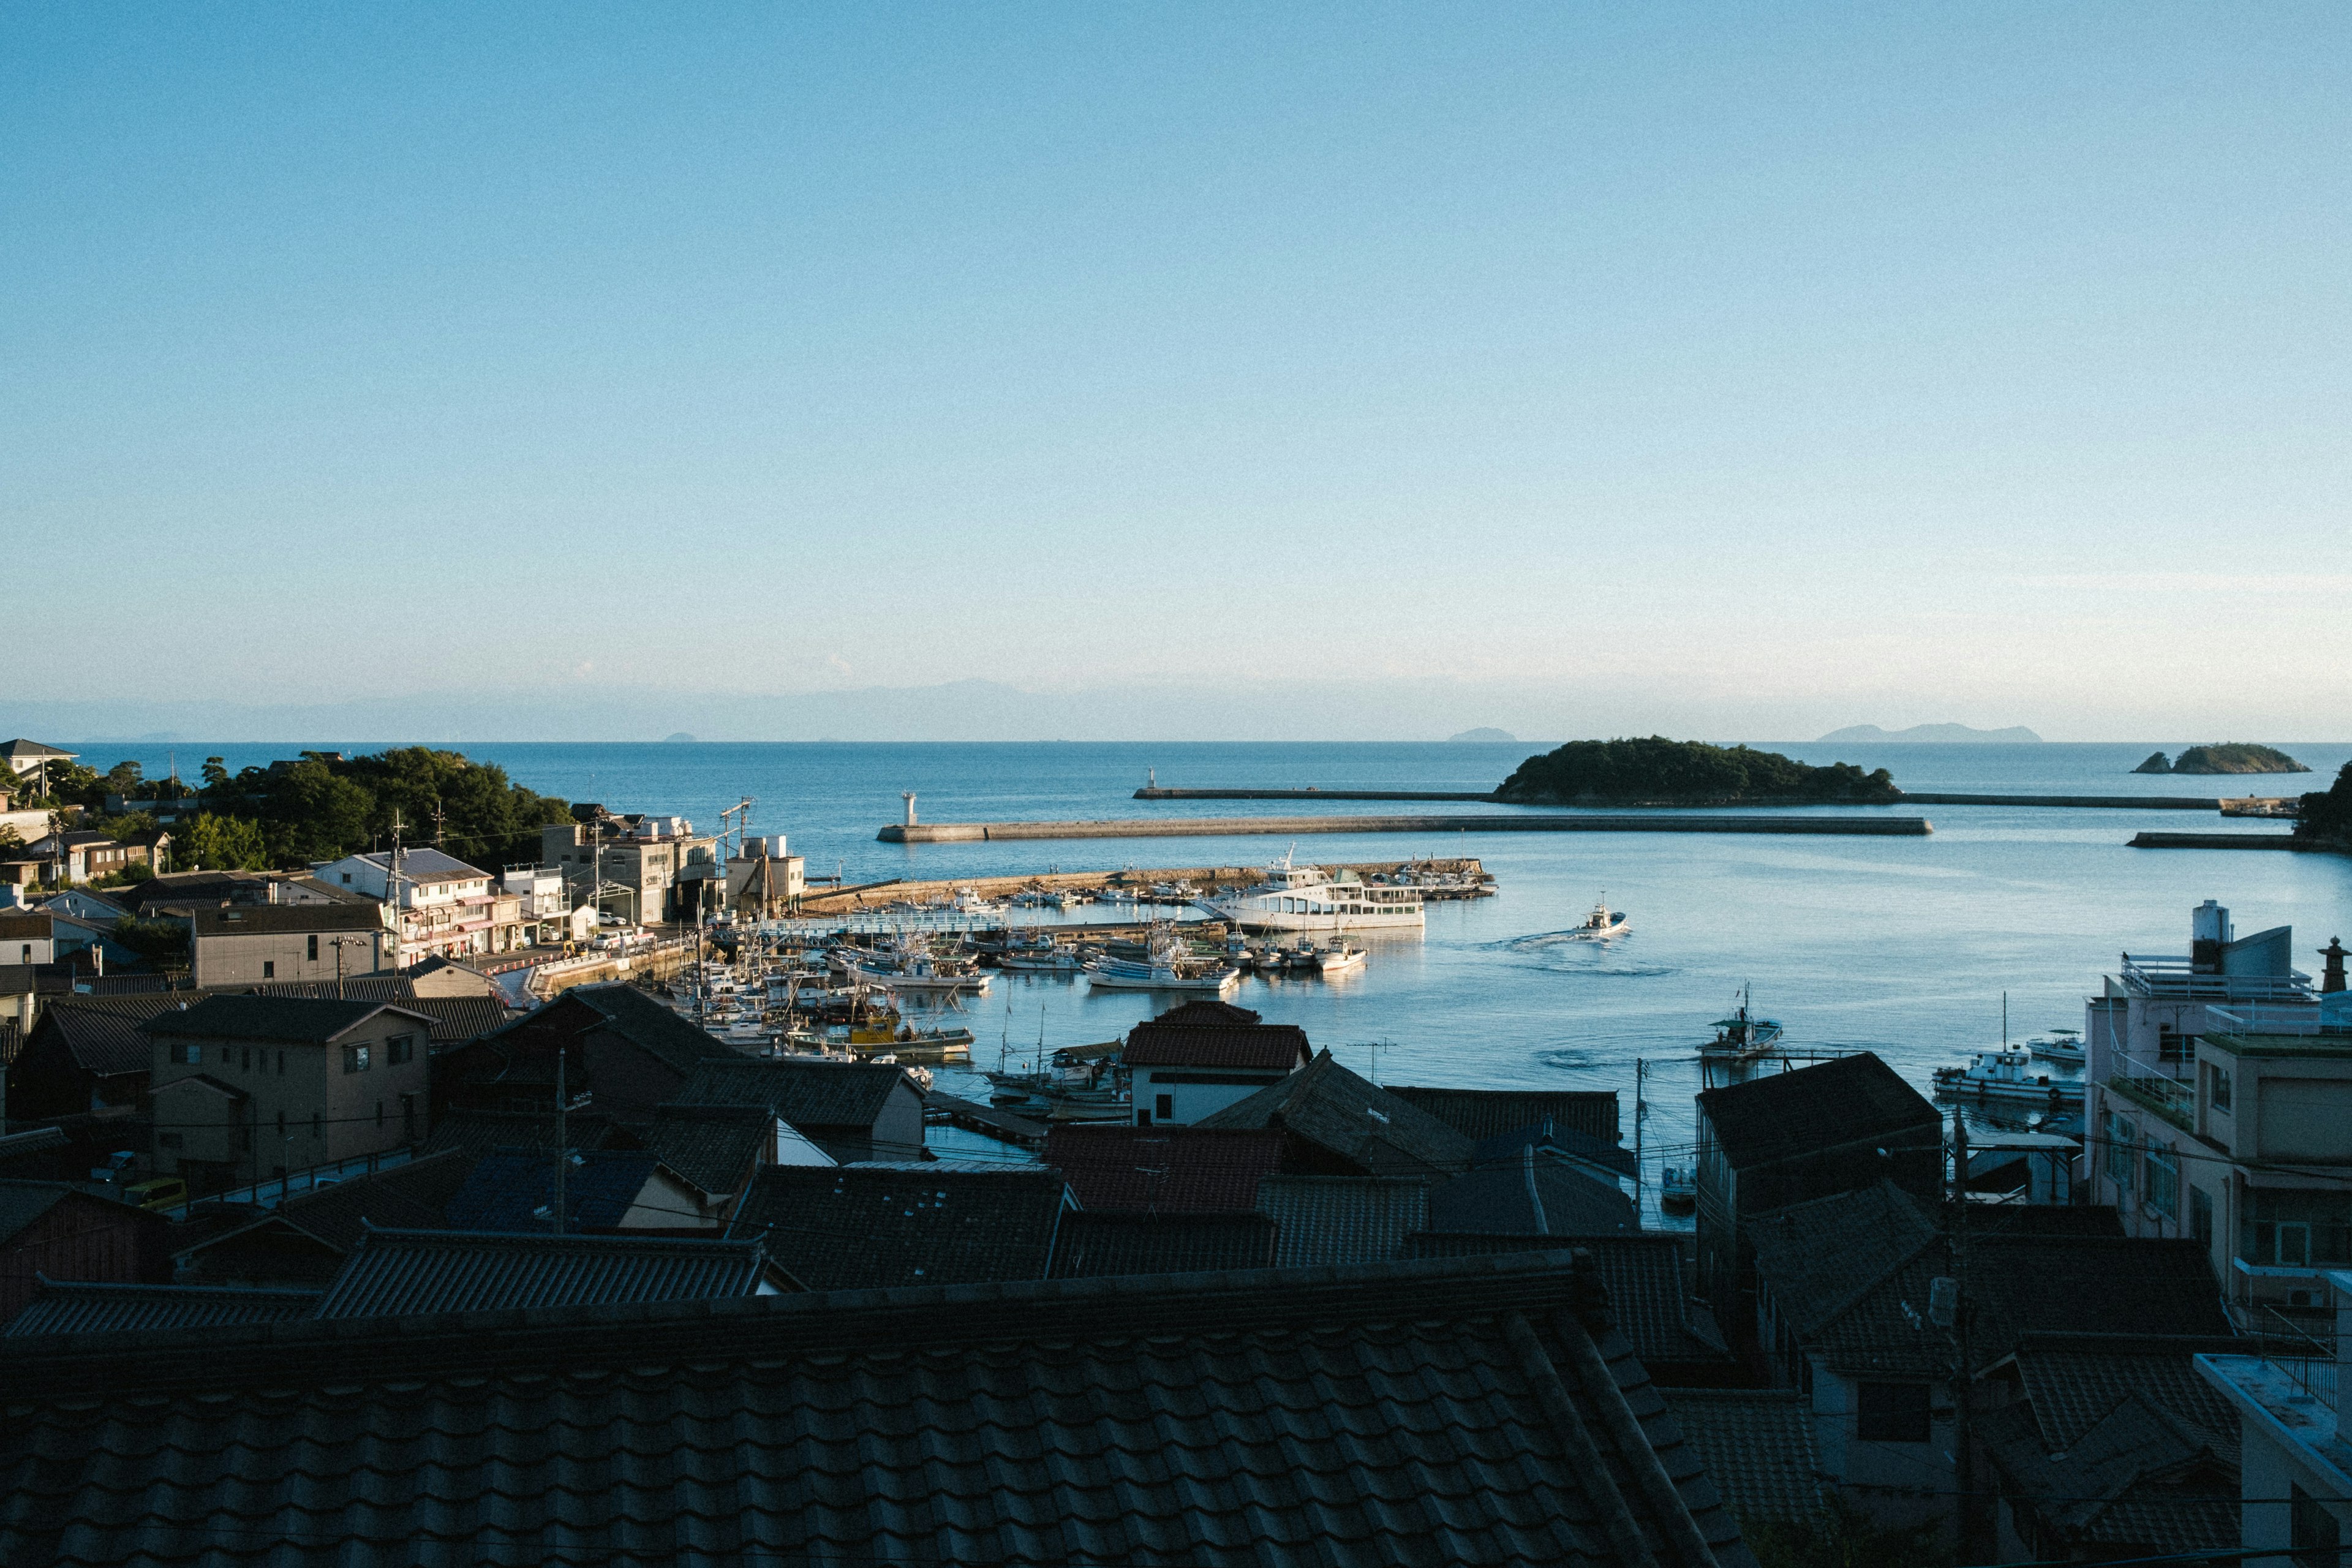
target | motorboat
[
  {"x": 1339, "y": 958},
  {"x": 1743, "y": 1034},
  {"x": 1602, "y": 923},
  {"x": 2007, "y": 1076},
  {"x": 1166, "y": 965},
  {"x": 2063, "y": 1047},
  {"x": 969, "y": 901},
  {"x": 915, "y": 969},
  {"x": 1290, "y": 897},
  {"x": 1677, "y": 1189}
]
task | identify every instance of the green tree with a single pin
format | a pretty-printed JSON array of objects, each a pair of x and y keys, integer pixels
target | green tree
[
  {"x": 122, "y": 828},
  {"x": 214, "y": 843},
  {"x": 2326, "y": 816},
  {"x": 215, "y": 777},
  {"x": 164, "y": 943}
]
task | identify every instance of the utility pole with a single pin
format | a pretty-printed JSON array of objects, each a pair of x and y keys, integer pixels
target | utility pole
[
  {"x": 1963, "y": 1425},
  {"x": 562, "y": 1131},
  {"x": 391, "y": 892},
  {"x": 1641, "y": 1114}
]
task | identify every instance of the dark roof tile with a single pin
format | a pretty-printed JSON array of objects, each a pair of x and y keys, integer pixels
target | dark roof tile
[
  {"x": 874, "y": 1227},
  {"x": 1263, "y": 1048},
  {"x": 1757, "y": 1446},
  {"x": 809, "y": 1094},
  {"x": 62, "y": 1308},
  {"x": 1776, "y": 1115},
  {"x": 1645, "y": 1275},
  {"x": 507, "y": 1190},
  {"x": 1092, "y": 1243},
  {"x": 1531, "y": 1195},
  {"x": 1169, "y": 1169},
  {"x": 397, "y": 1273},
  {"x": 1481, "y": 1113},
  {"x": 304, "y": 1020},
  {"x": 1342, "y": 1219},
  {"x": 1350, "y": 1116},
  {"x": 713, "y": 1146}
]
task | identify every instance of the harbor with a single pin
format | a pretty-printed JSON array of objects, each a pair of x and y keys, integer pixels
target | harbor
[{"x": 1540, "y": 822}]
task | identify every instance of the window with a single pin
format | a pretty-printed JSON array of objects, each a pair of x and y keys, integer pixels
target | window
[
  {"x": 186, "y": 1054},
  {"x": 1891, "y": 1412},
  {"x": 355, "y": 1058},
  {"x": 245, "y": 1058},
  {"x": 1163, "y": 1106},
  {"x": 2121, "y": 1141},
  {"x": 318, "y": 1127},
  {"x": 2298, "y": 1228},
  {"x": 2163, "y": 1182},
  {"x": 281, "y": 1064},
  {"x": 167, "y": 1140},
  {"x": 379, "y": 1113},
  {"x": 2201, "y": 1216},
  {"x": 2316, "y": 1534},
  {"x": 399, "y": 1048},
  {"x": 2221, "y": 1086},
  {"x": 268, "y": 969},
  {"x": 227, "y": 1054},
  {"x": 281, "y": 1124},
  {"x": 314, "y": 950},
  {"x": 347, "y": 879}
]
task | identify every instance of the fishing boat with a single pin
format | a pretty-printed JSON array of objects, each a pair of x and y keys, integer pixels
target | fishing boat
[
  {"x": 2007, "y": 1076},
  {"x": 1677, "y": 1190},
  {"x": 1600, "y": 924},
  {"x": 1743, "y": 1034},
  {"x": 1291, "y": 896},
  {"x": 914, "y": 968},
  {"x": 1339, "y": 958},
  {"x": 1166, "y": 965},
  {"x": 2063, "y": 1047}
]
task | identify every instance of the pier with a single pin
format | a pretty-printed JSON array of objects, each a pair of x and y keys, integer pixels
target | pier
[
  {"x": 954, "y": 1111},
  {"x": 1545, "y": 822},
  {"x": 2088, "y": 801},
  {"x": 2217, "y": 841}
]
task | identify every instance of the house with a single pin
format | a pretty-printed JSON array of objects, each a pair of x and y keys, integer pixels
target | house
[
  {"x": 1336, "y": 1122},
  {"x": 1445, "y": 1411},
  {"x": 541, "y": 901},
  {"x": 721, "y": 1149},
  {"x": 1090, "y": 1245},
  {"x": 52, "y": 1230},
  {"x": 2294, "y": 1444},
  {"x": 444, "y": 908},
  {"x": 1530, "y": 1191},
  {"x": 1757, "y": 1446},
  {"x": 602, "y": 1190},
  {"x": 1845, "y": 1302},
  {"x": 439, "y": 976},
  {"x": 1342, "y": 1219},
  {"x": 2111, "y": 1446},
  {"x": 856, "y": 1112},
  {"x": 645, "y": 869},
  {"x": 1782, "y": 1138},
  {"x": 946, "y": 1222},
  {"x": 85, "y": 1053},
  {"x": 250, "y": 1087},
  {"x": 183, "y": 890},
  {"x": 1166, "y": 1170},
  {"x": 32, "y": 759},
  {"x": 1190, "y": 1062},
  {"x": 1482, "y": 1113},
  {"x": 27, "y": 939},
  {"x": 234, "y": 944},
  {"x": 1647, "y": 1277},
  {"x": 82, "y": 855},
  {"x": 304, "y": 1241},
  {"x": 628, "y": 1053}
]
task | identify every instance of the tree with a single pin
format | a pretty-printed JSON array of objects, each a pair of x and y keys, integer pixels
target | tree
[
  {"x": 2325, "y": 816},
  {"x": 215, "y": 777},
  {"x": 215, "y": 843},
  {"x": 164, "y": 943}
]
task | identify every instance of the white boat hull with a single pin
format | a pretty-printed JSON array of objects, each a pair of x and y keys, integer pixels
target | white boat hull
[
  {"x": 1210, "y": 983},
  {"x": 1240, "y": 912}
]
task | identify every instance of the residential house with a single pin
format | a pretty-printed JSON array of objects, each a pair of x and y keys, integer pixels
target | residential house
[
  {"x": 252, "y": 1086},
  {"x": 31, "y": 760},
  {"x": 856, "y": 1112},
  {"x": 596, "y": 1191},
  {"x": 1164, "y": 1169},
  {"x": 1092, "y": 1245},
  {"x": 1482, "y": 1113},
  {"x": 624, "y": 1051},
  {"x": 542, "y": 901},
  {"x": 1337, "y": 1123},
  {"x": 86, "y": 1053},
  {"x": 2108, "y": 1447},
  {"x": 305, "y": 1239},
  {"x": 1847, "y": 1314},
  {"x": 1185, "y": 1065},
  {"x": 28, "y": 939},
  {"x": 81, "y": 855},
  {"x": 1782, "y": 1138},
  {"x": 257, "y": 944},
  {"x": 646, "y": 870},
  {"x": 2295, "y": 1444},
  {"x": 182, "y": 890},
  {"x": 444, "y": 908},
  {"x": 1342, "y": 1219},
  {"x": 53, "y": 1230},
  {"x": 946, "y": 1222},
  {"x": 722, "y": 1149},
  {"x": 1444, "y": 1411}
]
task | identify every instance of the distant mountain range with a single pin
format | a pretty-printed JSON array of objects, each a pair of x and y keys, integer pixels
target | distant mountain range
[{"x": 1870, "y": 734}]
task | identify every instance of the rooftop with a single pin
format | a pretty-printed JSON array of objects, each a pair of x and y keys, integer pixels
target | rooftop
[
  {"x": 1096, "y": 1244},
  {"x": 1482, "y": 1113},
  {"x": 425, "y": 865},
  {"x": 293, "y": 1020},
  {"x": 401, "y": 1273},
  {"x": 1259, "y": 1047},
  {"x": 1170, "y": 1169},
  {"x": 1352, "y": 1117},
  {"x": 1532, "y": 1194},
  {"x": 278, "y": 919},
  {"x": 808, "y": 1094},
  {"x": 513, "y": 1190},
  {"x": 874, "y": 1227},
  {"x": 1342, "y": 1219},
  {"x": 73, "y": 1307},
  {"x": 1757, "y": 1446},
  {"x": 1846, "y": 1100}
]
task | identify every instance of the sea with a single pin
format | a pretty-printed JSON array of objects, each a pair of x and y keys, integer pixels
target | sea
[{"x": 1921, "y": 948}]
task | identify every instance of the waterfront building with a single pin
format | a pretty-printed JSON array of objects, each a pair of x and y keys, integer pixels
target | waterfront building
[
  {"x": 446, "y": 908},
  {"x": 764, "y": 882},
  {"x": 2295, "y": 1442},
  {"x": 646, "y": 870},
  {"x": 1197, "y": 1058}
]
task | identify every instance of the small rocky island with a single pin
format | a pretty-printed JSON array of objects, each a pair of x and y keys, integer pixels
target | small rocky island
[
  {"x": 1659, "y": 772},
  {"x": 2235, "y": 758}
]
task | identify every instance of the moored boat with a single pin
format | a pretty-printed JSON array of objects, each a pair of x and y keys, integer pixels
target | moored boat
[
  {"x": 2063, "y": 1047},
  {"x": 1743, "y": 1034},
  {"x": 2007, "y": 1076},
  {"x": 1292, "y": 897},
  {"x": 1677, "y": 1190}
]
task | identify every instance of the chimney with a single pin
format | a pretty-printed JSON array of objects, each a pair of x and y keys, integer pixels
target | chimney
[{"x": 2209, "y": 933}]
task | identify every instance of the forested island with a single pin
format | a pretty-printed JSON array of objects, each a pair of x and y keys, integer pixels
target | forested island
[
  {"x": 2326, "y": 817},
  {"x": 2238, "y": 757},
  {"x": 1659, "y": 772}
]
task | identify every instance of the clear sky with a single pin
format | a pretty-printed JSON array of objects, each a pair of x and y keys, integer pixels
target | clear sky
[{"x": 1728, "y": 370}]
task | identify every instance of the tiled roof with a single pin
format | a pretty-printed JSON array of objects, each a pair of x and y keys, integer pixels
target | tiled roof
[
  {"x": 62, "y": 1308},
  {"x": 678, "y": 1042},
  {"x": 1092, "y": 1244},
  {"x": 25, "y": 928},
  {"x": 1261, "y": 1047},
  {"x": 507, "y": 1189},
  {"x": 22, "y": 1202},
  {"x": 2142, "y": 1476},
  {"x": 456, "y": 1019},
  {"x": 808, "y": 1094},
  {"x": 1406, "y": 1416},
  {"x": 412, "y": 1195},
  {"x": 1350, "y": 1116},
  {"x": 34, "y": 1141},
  {"x": 1202, "y": 1014},
  {"x": 256, "y": 919},
  {"x": 1480, "y": 1113},
  {"x": 1169, "y": 1169},
  {"x": 1757, "y": 1446},
  {"x": 1549, "y": 1136},
  {"x": 1342, "y": 1219},
  {"x": 713, "y": 1146},
  {"x": 1817, "y": 1258},
  {"x": 1779, "y": 1114},
  {"x": 1645, "y": 1275},
  {"x": 394, "y": 1273},
  {"x": 2071, "y": 1380},
  {"x": 482, "y": 1131},
  {"x": 1533, "y": 1195},
  {"x": 838, "y": 1227},
  {"x": 102, "y": 1033},
  {"x": 304, "y": 1020}
]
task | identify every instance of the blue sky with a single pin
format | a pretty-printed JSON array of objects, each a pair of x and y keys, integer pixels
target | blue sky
[{"x": 1725, "y": 369}]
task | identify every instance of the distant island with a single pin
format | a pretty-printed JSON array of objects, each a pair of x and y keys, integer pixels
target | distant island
[
  {"x": 1871, "y": 735},
  {"x": 2325, "y": 820},
  {"x": 1659, "y": 772},
  {"x": 680, "y": 737},
  {"x": 2238, "y": 757},
  {"x": 1497, "y": 737}
]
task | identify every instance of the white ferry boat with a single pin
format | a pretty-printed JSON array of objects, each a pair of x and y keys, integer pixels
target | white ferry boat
[
  {"x": 2006, "y": 1076},
  {"x": 1308, "y": 898}
]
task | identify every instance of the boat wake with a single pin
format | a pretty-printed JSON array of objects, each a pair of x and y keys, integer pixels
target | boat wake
[{"x": 1567, "y": 953}]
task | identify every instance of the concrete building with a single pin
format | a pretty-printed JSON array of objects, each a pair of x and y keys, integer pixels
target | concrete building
[
  {"x": 27, "y": 939},
  {"x": 542, "y": 901},
  {"x": 764, "y": 882},
  {"x": 248, "y": 1087},
  {"x": 637, "y": 868},
  {"x": 447, "y": 908},
  {"x": 259, "y": 944},
  {"x": 2294, "y": 1444},
  {"x": 1195, "y": 1059}
]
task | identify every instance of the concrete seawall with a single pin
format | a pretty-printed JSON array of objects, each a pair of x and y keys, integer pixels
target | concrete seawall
[
  {"x": 2099, "y": 802},
  {"x": 1548, "y": 822},
  {"x": 2217, "y": 841}
]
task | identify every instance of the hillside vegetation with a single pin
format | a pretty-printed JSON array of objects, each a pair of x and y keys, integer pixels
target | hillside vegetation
[
  {"x": 1659, "y": 772},
  {"x": 2327, "y": 814},
  {"x": 2238, "y": 757}
]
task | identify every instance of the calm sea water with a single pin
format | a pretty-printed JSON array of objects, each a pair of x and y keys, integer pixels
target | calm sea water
[{"x": 1905, "y": 946}]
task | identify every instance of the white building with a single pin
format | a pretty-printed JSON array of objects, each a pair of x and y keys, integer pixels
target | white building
[
  {"x": 2294, "y": 1447},
  {"x": 447, "y": 908},
  {"x": 1184, "y": 1070}
]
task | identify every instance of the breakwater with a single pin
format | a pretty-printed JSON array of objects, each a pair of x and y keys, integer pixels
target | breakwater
[
  {"x": 1546, "y": 822},
  {"x": 2217, "y": 841},
  {"x": 2092, "y": 802}
]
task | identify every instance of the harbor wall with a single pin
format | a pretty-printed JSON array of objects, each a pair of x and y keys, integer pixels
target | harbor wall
[
  {"x": 2098, "y": 802},
  {"x": 2218, "y": 841},
  {"x": 1548, "y": 822}
]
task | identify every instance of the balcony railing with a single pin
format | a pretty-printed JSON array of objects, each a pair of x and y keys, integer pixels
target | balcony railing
[
  {"x": 2307, "y": 1358},
  {"x": 2168, "y": 1097},
  {"x": 2326, "y": 1014},
  {"x": 2175, "y": 976}
]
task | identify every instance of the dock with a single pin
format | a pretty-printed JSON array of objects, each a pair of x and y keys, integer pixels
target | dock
[
  {"x": 1545, "y": 822},
  {"x": 2217, "y": 841},
  {"x": 869, "y": 896},
  {"x": 2088, "y": 801},
  {"x": 955, "y": 1111}
]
